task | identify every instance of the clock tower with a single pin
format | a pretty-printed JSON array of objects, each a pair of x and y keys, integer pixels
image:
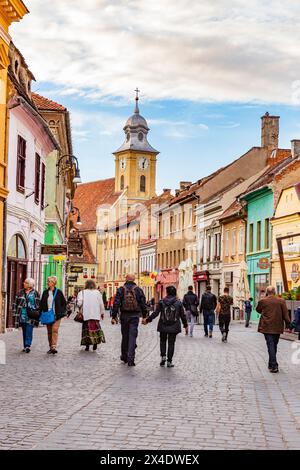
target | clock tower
[{"x": 135, "y": 160}]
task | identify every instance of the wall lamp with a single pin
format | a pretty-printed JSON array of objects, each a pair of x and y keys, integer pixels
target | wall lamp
[{"x": 66, "y": 163}]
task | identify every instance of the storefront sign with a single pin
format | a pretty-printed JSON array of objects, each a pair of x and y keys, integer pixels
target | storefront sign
[
  {"x": 201, "y": 276},
  {"x": 76, "y": 269},
  {"x": 53, "y": 249},
  {"x": 263, "y": 263},
  {"x": 72, "y": 278},
  {"x": 295, "y": 272}
]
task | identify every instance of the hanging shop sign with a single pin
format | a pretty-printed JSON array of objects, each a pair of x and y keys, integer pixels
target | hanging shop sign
[
  {"x": 295, "y": 272},
  {"x": 263, "y": 263},
  {"x": 200, "y": 276},
  {"x": 73, "y": 278},
  {"x": 54, "y": 249},
  {"x": 75, "y": 246},
  {"x": 76, "y": 269}
]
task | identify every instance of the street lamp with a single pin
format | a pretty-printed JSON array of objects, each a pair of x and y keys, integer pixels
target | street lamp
[
  {"x": 66, "y": 163},
  {"x": 74, "y": 211}
]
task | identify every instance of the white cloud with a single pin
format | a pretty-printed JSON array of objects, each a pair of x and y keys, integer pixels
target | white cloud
[{"x": 211, "y": 51}]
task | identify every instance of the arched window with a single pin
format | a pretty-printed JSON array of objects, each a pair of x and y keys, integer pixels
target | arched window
[
  {"x": 143, "y": 184},
  {"x": 16, "y": 248},
  {"x": 122, "y": 183}
]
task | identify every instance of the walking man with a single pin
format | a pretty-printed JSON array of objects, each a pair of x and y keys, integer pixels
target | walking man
[
  {"x": 131, "y": 302},
  {"x": 191, "y": 303},
  {"x": 207, "y": 307},
  {"x": 274, "y": 314},
  {"x": 224, "y": 311},
  {"x": 248, "y": 311}
]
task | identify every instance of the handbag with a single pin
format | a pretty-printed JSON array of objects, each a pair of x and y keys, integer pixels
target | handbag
[
  {"x": 48, "y": 318},
  {"x": 33, "y": 313},
  {"x": 79, "y": 315}
]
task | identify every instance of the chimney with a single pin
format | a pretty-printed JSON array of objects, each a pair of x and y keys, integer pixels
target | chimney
[
  {"x": 177, "y": 191},
  {"x": 184, "y": 184},
  {"x": 270, "y": 131},
  {"x": 167, "y": 191},
  {"x": 295, "y": 146}
]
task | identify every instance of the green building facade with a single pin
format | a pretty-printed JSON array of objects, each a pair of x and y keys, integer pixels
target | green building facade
[
  {"x": 260, "y": 204},
  {"x": 53, "y": 267}
]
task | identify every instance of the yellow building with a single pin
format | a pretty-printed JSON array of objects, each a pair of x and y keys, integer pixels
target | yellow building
[
  {"x": 286, "y": 222},
  {"x": 10, "y": 11}
]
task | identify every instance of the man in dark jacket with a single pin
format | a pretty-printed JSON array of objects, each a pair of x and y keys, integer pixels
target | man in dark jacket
[
  {"x": 171, "y": 312},
  {"x": 207, "y": 307},
  {"x": 274, "y": 314},
  {"x": 190, "y": 303},
  {"x": 131, "y": 302}
]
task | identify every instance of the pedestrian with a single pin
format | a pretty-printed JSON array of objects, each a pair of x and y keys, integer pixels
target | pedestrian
[
  {"x": 171, "y": 311},
  {"x": 274, "y": 314},
  {"x": 131, "y": 302},
  {"x": 207, "y": 307},
  {"x": 70, "y": 306},
  {"x": 27, "y": 301},
  {"x": 191, "y": 303},
  {"x": 248, "y": 311},
  {"x": 53, "y": 298},
  {"x": 91, "y": 302},
  {"x": 295, "y": 325},
  {"x": 152, "y": 304},
  {"x": 224, "y": 312}
]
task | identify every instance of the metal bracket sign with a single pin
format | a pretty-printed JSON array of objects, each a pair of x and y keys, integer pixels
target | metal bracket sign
[
  {"x": 75, "y": 246},
  {"x": 76, "y": 269},
  {"x": 54, "y": 249}
]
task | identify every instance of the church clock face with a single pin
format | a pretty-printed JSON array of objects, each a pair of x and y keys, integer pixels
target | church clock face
[
  {"x": 143, "y": 163},
  {"x": 123, "y": 163}
]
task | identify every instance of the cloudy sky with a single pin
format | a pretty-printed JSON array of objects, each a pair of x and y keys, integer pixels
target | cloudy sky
[{"x": 207, "y": 72}]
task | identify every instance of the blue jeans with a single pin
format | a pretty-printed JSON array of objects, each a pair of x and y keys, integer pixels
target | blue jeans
[
  {"x": 27, "y": 334},
  {"x": 129, "y": 330},
  {"x": 208, "y": 316},
  {"x": 272, "y": 342}
]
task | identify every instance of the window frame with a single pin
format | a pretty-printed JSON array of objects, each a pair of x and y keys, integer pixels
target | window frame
[{"x": 21, "y": 164}]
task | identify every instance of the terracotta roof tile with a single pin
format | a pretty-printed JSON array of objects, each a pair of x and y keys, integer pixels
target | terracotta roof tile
[
  {"x": 233, "y": 209},
  {"x": 268, "y": 176},
  {"x": 89, "y": 196},
  {"x": 45, "y": 104}
]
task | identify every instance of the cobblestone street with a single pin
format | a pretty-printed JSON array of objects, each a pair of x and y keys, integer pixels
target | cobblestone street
[{"x": 218, "y": 396}]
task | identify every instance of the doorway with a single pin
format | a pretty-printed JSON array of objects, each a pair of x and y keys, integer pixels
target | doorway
[{"x": 16, "y": 274}]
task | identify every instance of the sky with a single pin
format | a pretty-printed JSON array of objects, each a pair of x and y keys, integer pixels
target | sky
[{"x": 207, "y": 72}]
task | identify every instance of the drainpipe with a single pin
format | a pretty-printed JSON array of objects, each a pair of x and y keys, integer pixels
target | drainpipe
[{"x": 3, "y": 286}]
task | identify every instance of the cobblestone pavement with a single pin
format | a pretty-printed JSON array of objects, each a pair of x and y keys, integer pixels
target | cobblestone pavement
[{"x": 218, "y": 396}]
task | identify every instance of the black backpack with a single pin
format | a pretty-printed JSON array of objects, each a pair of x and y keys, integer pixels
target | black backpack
[
  {"x": 130, "y": 303},
  {"x": 169, "y": 314}
]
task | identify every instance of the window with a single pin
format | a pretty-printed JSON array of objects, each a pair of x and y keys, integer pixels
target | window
[
  {"x": 143, "y": 184},
  {"x": 267, "y": 233},
  {"x": 37, "y": 178},
  {"x": 227, "y": 243},
  {"x": 162, "y": 260},
  {"x": 233, "y": 242},
  {"x": 279, "y": 287},
  {"x": 250, "y": 238},
  {"x": 21, "y": 164},
  {"x": 122, "y": 183},
  {"x": 43, "y": 179},
  {"x": 258, "y": 236},
  {"x": 85, "y": 272},
  {"x": 241, "y": 240},
  {"x": 93, "y": 272},
  {"x": 167, "y": 260},
  {"x": 16, "y": 248},
  {"x": 217, "y": 245}
]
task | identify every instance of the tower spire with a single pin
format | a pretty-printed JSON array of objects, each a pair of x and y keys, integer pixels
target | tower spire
[{"x": 137, "y": 111}]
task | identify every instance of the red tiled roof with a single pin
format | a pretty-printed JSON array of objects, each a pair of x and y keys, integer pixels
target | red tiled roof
[
  {"x": 233, "y": 209},
  {"x": 88, "y": 256},
  {"x": 45, "y": 104},
  {"x": 268, "y": 176},
  {"x": 89, "y": 196}
]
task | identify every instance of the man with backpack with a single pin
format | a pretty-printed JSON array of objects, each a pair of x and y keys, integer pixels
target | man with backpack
[
  {"x": 190, "y": 303},
  {"x": 131, "y": 302},
  {"x": 207, "y": 307},
  {"x": 171, "y": 311}
]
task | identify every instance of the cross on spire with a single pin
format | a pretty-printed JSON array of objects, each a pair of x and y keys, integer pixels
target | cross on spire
[{"x": 137, "y": 91}]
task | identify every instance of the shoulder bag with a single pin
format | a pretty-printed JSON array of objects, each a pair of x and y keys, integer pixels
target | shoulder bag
[
  {"x": 79, "y": 315},
  {"x": 48, "y": 318}
]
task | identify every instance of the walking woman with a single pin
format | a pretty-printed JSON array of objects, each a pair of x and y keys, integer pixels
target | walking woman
[
  {"x": 28, "y": 299},
  {"x": 91, "y": 302},
  {"x": 171, "y": 311},
  {"x": 53, "y": 298}
]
